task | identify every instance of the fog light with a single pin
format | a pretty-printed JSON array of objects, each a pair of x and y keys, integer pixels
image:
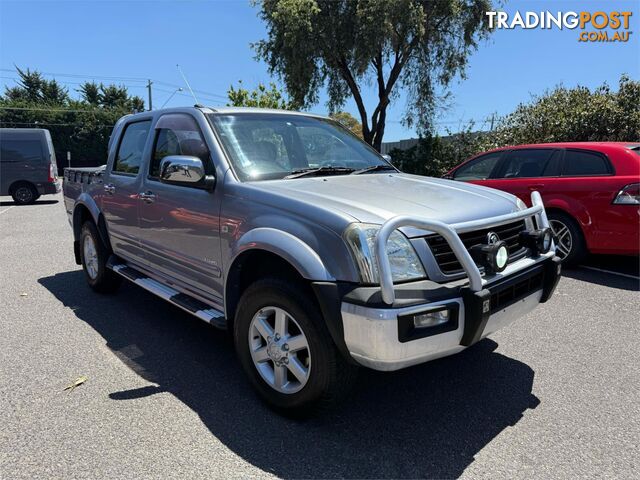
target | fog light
[
  {"x": 431, "y": 319},
  {"x": 538, "y": 241},
  {"x": 502, "y": 257},
  {"x": 493, "y": 258}
]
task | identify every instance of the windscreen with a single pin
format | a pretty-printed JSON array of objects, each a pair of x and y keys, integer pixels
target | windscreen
[{"x": 265, "y": 146}]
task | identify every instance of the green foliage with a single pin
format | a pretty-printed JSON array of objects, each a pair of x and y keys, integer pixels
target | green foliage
[
  {"x": 110, "y": 97},
  {"x": 349, "y": 121},
  {"x": 434, "y": 155},
  {"x": 570, "y": 115},
  {"x": 417, "y": 45},
  {"x": 260, "y": 97},
  {"x": 80, "y": 126},
  {"x": 32, "y": 87},
  {"x": 560, "y": 115},
  {"x": 90, "y": 93},
  {"x": 272, "y": 97}
]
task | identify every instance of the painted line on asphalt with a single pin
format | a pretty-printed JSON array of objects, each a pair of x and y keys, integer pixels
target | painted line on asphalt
[
  {"x": 6, "y": 209},
  {"x": 626, "y": 275}
]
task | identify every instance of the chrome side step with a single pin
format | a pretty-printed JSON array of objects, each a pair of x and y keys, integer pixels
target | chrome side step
[{"x": 182, "y": 300}]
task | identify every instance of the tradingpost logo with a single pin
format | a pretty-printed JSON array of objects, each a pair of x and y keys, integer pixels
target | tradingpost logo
[{"x": 597, "y": 26}]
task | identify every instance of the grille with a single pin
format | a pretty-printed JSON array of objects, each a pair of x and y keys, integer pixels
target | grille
[
  {"x": 506, "y": 296},
  {"x": 447, "y": 260}
]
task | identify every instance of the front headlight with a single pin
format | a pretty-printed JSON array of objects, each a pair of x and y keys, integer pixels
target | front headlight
[{"x": 405, "y": 264}]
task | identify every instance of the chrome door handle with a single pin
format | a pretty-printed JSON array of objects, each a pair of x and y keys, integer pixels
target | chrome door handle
[
  {"x": 147, "y": 197},
  {"x": 110, "y": 188}
]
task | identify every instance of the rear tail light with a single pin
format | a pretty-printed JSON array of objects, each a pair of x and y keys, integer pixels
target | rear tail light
[
  {"x": 53, "y": 175},
  {"x": 629, "y": 195}
]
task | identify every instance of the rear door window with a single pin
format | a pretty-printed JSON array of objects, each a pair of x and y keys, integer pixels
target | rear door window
[
  {"x": 552, "y": 168},
  {"x": 584, "y": 163},
  {"x": 479, "y": 168},
  {"x": 129, "y": 155},
  {"x": 529, "y": 163},
  {"x": 21, "y": 151}
]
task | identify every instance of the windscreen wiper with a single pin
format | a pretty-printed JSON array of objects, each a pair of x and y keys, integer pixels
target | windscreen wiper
[
  {"x": 305, "y": 172},
  {"x": 374, "y": 168}
]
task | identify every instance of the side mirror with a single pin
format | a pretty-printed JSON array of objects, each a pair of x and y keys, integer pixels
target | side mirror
[
  {"x": 185, "y": 170},
  {"x": 387, "y": 157}
]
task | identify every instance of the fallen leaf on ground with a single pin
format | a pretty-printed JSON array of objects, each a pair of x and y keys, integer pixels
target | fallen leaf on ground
[{"x": 79, "y": 381}]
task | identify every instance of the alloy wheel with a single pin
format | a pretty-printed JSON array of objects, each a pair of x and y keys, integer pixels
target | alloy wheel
[
  {"x": 279, "y": 350},
  {"x": 564, "y": 240},
  {"x": 90, "y": 256}
]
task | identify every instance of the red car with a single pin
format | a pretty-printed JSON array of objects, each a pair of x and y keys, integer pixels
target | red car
[{"x": 591, "y": 190}]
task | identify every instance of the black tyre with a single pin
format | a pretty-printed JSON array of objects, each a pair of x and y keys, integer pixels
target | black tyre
[
  {"x": 94, "y": 256},
  {"x": 24, "y": 193},
  {"x": 286, "y": 350},
  {"x": 570, "y": 244}
]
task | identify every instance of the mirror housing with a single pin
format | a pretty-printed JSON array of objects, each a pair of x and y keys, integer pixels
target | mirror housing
[
  {"x": 387, "y": 157},
  {"x": 185, "y": 170}
]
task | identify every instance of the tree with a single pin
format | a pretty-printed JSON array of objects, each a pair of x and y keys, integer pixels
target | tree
[
  {"x": 418, "y": 45},
  {"x": 434, "y": 155},
  {"x": 90, "y": 93},
  {"x": 113, "y": 96},
  {"x": 81, "y": 126},
  {"x": 349, "y": 121},
  {"x": 559, "y": 115},
  {"x": 261, "y": 97},
  {"x": 32, "y": 87},
  {"x": 574, "y": 115}
]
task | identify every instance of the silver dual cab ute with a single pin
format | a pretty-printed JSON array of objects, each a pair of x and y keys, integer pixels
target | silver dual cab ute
[{"x": 309, "y": 247}]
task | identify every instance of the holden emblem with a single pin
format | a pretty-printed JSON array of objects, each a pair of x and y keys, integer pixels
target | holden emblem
[{"x": 492, "y": 238}]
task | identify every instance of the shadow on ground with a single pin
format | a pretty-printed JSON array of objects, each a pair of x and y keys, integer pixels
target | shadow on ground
[
  {"x": 11, "y": 203},
  {"x": 426, "y": 421},
  {"x": 606, "y": 266},
  {"x": 602, "y": 278}
]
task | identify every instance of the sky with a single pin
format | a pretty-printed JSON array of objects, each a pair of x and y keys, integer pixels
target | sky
[{"x": 128, "y": 42}]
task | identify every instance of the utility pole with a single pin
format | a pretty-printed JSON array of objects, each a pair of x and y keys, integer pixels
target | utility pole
[
  {"x": 493, "y": 117},
  {"x": 149, "y": 83}
]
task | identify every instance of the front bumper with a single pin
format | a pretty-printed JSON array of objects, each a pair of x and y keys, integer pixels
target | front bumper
[{"x": 379, "y": 337}]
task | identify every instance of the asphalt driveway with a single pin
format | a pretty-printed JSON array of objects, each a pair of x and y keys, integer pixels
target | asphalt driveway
[{"x": 554, "y": 395}]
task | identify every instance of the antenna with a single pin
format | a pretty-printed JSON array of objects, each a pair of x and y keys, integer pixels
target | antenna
[
  {"x": 179, "y": 89},
  {"x": 187, "y": 82}
]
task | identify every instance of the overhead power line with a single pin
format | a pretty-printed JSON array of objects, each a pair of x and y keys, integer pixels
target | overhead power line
[
  {"x": 454, "y": 122},
  {"x": 53, "y": 109},
  {"x": 67, "y": 83},
  {"x": 164, "y": 90},
  {"x": 75, "y": 75},
  {"x": 202, "y": 93},
  {"x": 49, "y": 124}
]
